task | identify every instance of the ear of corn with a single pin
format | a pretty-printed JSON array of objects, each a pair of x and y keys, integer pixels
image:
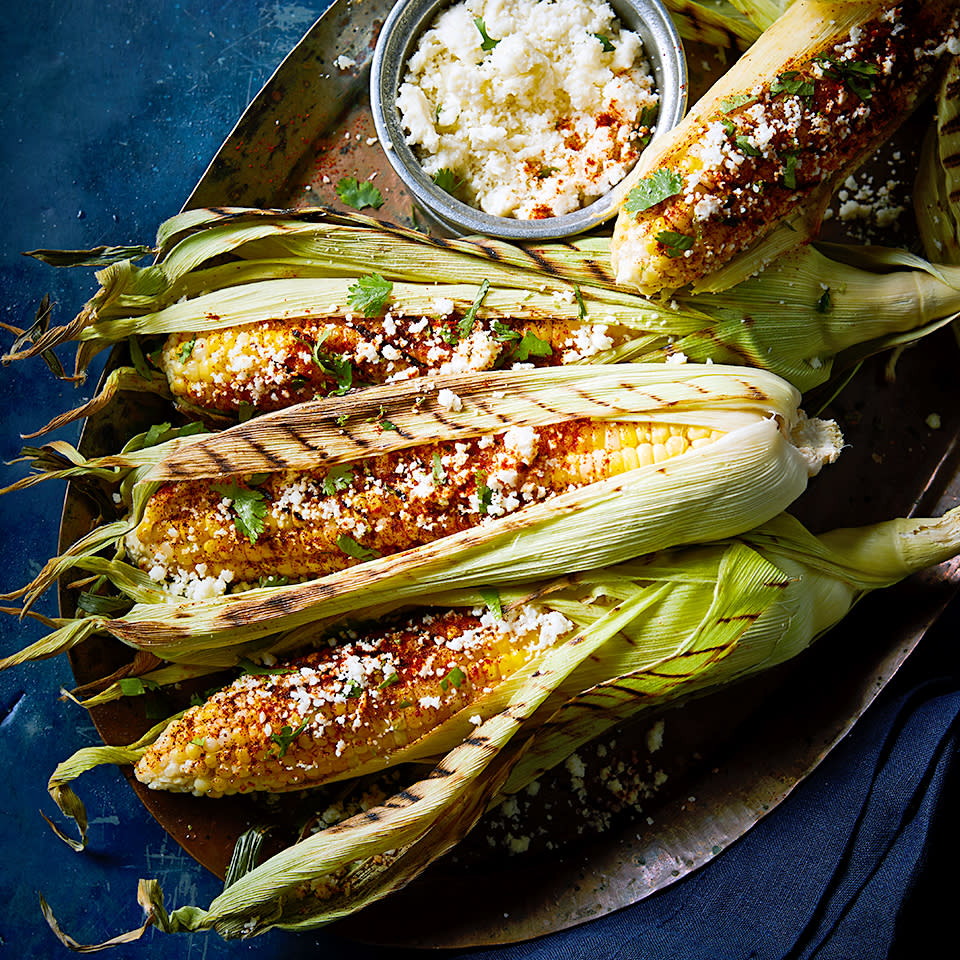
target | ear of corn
[
  {"x": 662, "y": 627},
  {"x": 759, "y": 466},
  {"x": 804, "y": 107},
  {"x": 274, "y": 326}
]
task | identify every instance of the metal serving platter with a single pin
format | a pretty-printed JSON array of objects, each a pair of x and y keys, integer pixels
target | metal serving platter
[{"x": 729, "y": 758}]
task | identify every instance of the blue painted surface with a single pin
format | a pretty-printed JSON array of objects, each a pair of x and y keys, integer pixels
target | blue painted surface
[{"x": 108, "y": 116}]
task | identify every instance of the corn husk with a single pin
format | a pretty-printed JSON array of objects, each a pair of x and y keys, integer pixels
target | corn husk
[
  {"x": 284, "y": 264},
  {"x": 682, "y": 623},
  {"x": 745, "y": 477}
]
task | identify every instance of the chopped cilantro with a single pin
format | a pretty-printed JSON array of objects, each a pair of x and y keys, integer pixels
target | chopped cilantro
[
  {"x": 286, "y": 736},
  {"x": 338, "y": 478},
  {"x": 439, "y": 474},
  {"x": 660, "y": 185},
  {"x": 186, "y": 348},
  {"x": 675, "y": 243},
  {"x": 531, "y": 346},
  {"x": 793, "y": 83},
  {"x": 248, "y": 507},
  {"x": 467, "y": 321},
  {"x": 545, "y": 171},
  {"x": 274, "y": 580},
  {"x": 604, "y": 42},
  {"x": 503, "y": 333},
  {"x": 488, "y": 42},
  {"x": 790, "y": 171},
  {"x": 259, "y": 670},
  {"x": 382, "y": 422},
  {"x": 453, "y": 679},
  {"x": 359, "y": 195},
  {"x": 581, "y": 306},
  {"x": 388, "y": 681},
  {"x": 746, "y": 147},
  {"x": 370, "y": 294},
  {"x": 824, "y": 303},
  {"x": 448, "y": 181},
  {"x": 484, "y": 493},
  {"x": 857, "y": 77},
  {"x": 353, "y": 690},
  {"x": 136, "y": 686},
  {"x": 729, "y": 104},
  {"x": 351, "y": 548},
  {"x": 342, "y": 419},
  {"x": 197, "y": 741},
  {"x": 404, "y": 703},
  {"x": 492, "y": 599}
]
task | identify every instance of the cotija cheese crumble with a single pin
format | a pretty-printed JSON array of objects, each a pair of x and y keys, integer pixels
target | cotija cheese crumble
[{"x": 527, "y": 109}]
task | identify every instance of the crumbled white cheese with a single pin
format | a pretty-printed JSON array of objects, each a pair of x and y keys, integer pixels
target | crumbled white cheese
[{"x": 541, "y": 123}]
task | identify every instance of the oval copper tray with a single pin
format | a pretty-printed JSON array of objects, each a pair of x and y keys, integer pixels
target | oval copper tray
[{"x": 730, "y": 757}]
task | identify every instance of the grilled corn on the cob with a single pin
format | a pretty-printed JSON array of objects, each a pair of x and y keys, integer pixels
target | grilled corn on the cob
[
  {"x": 356, "y": 705},
  {"x": 805, "y": 106},
  {"x": 203, "y": 536}
]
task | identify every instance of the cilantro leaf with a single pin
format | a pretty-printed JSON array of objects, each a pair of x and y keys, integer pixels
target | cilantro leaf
[
  {"x": 531, "y": 346},
  {"x": 448, "y": 181},
  {"x": 467, "y": 321},
  {"x": 453, "y": 679},
  {"x": 660, "y": 185},
  {"x": 492, "y": 599},
  {"x": 136, "y": 686},
  {"x": 274, "y": 580},
  {"x": 484, "y": 493},
  {"x": 729, "y": 104},
  {"x": 488, "y": 42},
  {"x": 790, "y": 171},
  {"x": 186, "y": 348},
  {"x": 370, "y": 294},
  {"x": 259, "y": 670},
  {"x": 581, "y": 306},
  {"x": 503, "y": 333},
  {"x": 604, "y": 42},
  {"x": 675, "y": 243},
  {"x": 439, "y": 474},
  {"x": 793, "y": 83},
  {"x": 745, "y": 146},
  {"x": 351, "y": 548},
  {"x": 388, "y": 681},
  {"x": 248, "y": 507},
  {"x": 359, "y": 195},
  {"x": 286, "y": 736},
  {"x": 338, "y": 478}
]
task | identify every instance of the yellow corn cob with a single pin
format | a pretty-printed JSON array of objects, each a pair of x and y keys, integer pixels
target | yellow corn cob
[
  {"x": 314, "y": 523},
  {"x": 803, "y": 108},
  {"x": 275, "y": 363},
  {"x": 325, "y": 715}
]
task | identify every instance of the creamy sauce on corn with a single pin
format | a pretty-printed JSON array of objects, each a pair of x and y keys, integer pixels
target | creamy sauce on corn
[{"x": 539, "y": 114}]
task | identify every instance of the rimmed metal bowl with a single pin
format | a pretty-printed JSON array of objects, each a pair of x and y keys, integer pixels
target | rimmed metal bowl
[{"x": 397, "y": 41}]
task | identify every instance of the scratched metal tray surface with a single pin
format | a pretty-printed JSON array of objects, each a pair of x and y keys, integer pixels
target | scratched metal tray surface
[{"x": 730, "y": 757}]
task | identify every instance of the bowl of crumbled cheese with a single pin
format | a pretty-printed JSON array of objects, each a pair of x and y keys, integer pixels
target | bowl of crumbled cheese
[{"x": 518, "y": 118}]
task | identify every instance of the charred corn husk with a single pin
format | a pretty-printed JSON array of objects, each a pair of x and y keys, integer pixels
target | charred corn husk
[
  {"x": 661, "y": 628},
  {"x": 804, "y": 107},
  {"x": 275, "y": 325},
  {"x": 194, "y": 536},
  {"x": 525, "y": 520}
]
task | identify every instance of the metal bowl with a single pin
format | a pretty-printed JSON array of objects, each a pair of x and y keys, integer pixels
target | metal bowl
[{"x": 398, "y": 39}]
